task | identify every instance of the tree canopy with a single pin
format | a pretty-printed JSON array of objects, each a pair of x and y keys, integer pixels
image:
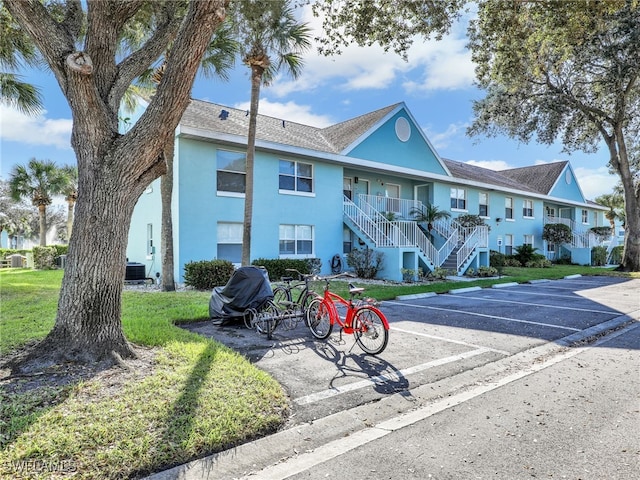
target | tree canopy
[{"x": 569, "y": 71}]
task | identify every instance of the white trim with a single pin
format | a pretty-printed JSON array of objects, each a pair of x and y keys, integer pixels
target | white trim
[
  {"x": 373, "y": 167},
  {"x": 298, "y": 194}
]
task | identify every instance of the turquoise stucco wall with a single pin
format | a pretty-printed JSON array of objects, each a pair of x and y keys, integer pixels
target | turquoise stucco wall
[
  {"x": 567, "y": 190},
  {"x": 384, "y": 146}
]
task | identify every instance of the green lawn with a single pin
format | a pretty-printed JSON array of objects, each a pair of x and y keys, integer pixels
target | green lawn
[{"x": 199, "y": 397}]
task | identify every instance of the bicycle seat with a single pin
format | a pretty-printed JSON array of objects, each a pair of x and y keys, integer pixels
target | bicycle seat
[
  {"x": 354, "y": 290},
  {"x": 286, "y": 279}
]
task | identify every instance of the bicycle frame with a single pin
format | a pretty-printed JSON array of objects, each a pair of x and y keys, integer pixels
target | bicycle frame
[{"x": 330, "y": 299}]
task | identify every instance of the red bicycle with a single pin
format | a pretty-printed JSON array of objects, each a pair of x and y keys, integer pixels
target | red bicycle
[{"x": 362, "y": 319}]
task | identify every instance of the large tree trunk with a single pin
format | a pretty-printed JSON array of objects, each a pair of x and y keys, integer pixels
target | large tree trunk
[
  {"x": 256, "y": 81},
  {"x": 113, "y": 168},
  {"x": 621, "y": 163},
  {"x": 166, "y": 194},
  {"x": 88, "y": 326}
]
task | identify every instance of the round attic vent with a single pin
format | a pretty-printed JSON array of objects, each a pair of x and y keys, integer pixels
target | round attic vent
[
  {"x": 567, "y": 177},
  {"x": 403, "y": 129}
]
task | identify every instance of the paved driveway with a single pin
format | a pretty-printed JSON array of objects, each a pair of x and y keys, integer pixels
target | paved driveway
[{"x": 432, "y": 339}]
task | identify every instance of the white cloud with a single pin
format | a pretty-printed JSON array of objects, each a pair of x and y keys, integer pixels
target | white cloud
[
  {"x": 432, "y": 65},
  {"x": 39, "y": 130},
  {"x": 290, "y": 111},
  {"x": 595, "y": 181},
  {"x": 441, "y": 140}
]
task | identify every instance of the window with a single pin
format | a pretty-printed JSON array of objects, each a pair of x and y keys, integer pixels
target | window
[
  {"x": 508, "y": 208},
  {"x": 483, "y": 211},
  {"x": 585, "y": 216},
  {"x": 231, "y": 171},
  {"x": 296, "y": 240},
  {"x": 528, "y": 240},
  {"x": 458, "y": 198},
  {"x": 508, "y": 244},
  {"x": 527, "y": 208},
  {"x": 230, "y": 242},
  {"x": 296, "y": 176}
]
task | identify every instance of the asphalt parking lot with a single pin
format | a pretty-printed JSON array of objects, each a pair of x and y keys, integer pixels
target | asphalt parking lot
[{"x": 432, "y": 338}]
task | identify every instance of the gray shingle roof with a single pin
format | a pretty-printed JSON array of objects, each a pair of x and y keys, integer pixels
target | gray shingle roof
[
  {"x": 336, "y": 138},
  {"x": 333, "y": 139},
  {"x": 345, "y": 133},
  {"x": 540, "y": 178},
  {"x": 483, "y": 175}
]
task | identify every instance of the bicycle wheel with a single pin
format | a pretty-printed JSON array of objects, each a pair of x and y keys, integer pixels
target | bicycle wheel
[
  {"x": 267, "y": 319},
  {"x": 304, "y": 302},
  {"x": 318, "y": 319},
  {"x": 369, "y": 330},
  {"x": 281, "y": 297}
]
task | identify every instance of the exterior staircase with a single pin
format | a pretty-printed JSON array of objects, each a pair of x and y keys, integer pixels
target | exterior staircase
[{"x": 370, "y": 220}]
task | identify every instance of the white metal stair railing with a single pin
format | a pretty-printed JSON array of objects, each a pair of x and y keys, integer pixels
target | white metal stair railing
[
  {"x": 580, "y": 238},
  {"x": 409, "y": 231},
  {"x": 401, "y": 207},
  {"x": 474, "y": 237},
  {"x": 385, "y": 233}
]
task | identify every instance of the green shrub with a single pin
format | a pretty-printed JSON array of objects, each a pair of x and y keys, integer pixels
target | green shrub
[
  {"x": 509, "y": 261},
  {"x": 5, "y": 252},
  {"x": 442, "y": 273},
  {"x": 207, "y": 274},
  {"x": 366, "y": 262},
  {"x": 525, "y": 253},
  {"x": 599, "y": 256},
  {"x": 485, "y": 271},
  {"x": 277, "y": 267},
  {"x": 602, "y": 232},
  {"x": 44, "y": 257},
  {"x": 497, "y": 259},
  {"x": 616, "y": 254},
  {"x": 538, "y": 261}
]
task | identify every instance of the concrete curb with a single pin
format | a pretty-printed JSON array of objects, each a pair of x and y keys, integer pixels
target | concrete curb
[
  {"x": 540, "y": 280},
  {"x": 464, "y": 290},
  {"x": 504, "y": 285},
  {"x": 415, "y": 296},
  {"x": 569, "y": 277}
]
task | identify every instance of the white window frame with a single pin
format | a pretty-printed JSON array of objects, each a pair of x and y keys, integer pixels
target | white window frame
[
  {"x": 486, "y": 204},
  {"x": 508, "y": 205},
  {"x": 527, "y": 207},
  {"x": 229, "y": 233},
  {"x": 585, "y": 216},
  {"x": 296, "y": 176},
  {"x": 298, "y": 236},
  {"x": 528, "y": 239},
  {"x": 454, "y": 193},
  {"x": 508, "y": 244},
  {"x": 229, "y": 193}
]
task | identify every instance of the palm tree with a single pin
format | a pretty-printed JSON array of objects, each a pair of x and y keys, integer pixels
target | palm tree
[
  {"x": 38, "y": 182},
  {"x": 70, "y": 192},
  {"x": 615, "y": 202},
  {"x": 270, "y": 38},
  {"x": 429, "y": 214},
  {"x": 16, "y": 50}
]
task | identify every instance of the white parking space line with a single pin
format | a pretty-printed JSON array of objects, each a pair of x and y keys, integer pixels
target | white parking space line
[
  {"x": 465, "y": 312},
  {"x": 542, "y": 294},
  {"x": 322, "y": 454},
  {"x": 448, "y": 340},
  {"x": 393, "y": 376},
  {"x": 605, "y": 312}
]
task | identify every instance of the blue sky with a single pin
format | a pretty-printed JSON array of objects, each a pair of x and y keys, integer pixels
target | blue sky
[{"x": 436, "y": 84}]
